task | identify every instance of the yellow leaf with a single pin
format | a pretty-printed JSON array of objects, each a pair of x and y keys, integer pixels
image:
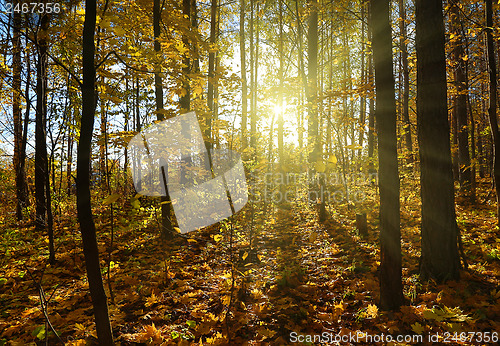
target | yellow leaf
[
  {"x": 313, "y": 236},
  {"x": 111, "y": 199},
  {"x": 80, "y": 327},
  {"x": 245, "y": 255},
  {"x": 266, "y": 332},
  {"x": 119, "y": 31},
  {"x": 332, "y": 159},
  {"x": 417, "y": 328},
  {"x": 320, "y": 166},
  {"x": 217, "y": 237},
  {"x": 372, "y": 311},
  {"x": 191, "y": 240},
  {"x": 135, "y": 203},
  {"x": 177, "y": 229},
  {"x": 151, "y": 300}
]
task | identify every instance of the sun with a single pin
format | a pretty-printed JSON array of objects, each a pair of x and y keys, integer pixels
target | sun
[{"x": 279, "y": 109}]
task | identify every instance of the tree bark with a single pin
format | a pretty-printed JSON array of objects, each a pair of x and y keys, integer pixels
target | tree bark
[
  {"x": 440, "y": 259},
  {"x": 20, "y": 174},
  {"x": 460, "y": 103},
  {"x": 371, "y": 107},
  {"x": 311, "y": 91},
  {"x": 280, "y": 91},
  {"x": 406, "y": 81},
  {"x": 185, "y": 98},
  {"x": 84, "y": 208},
  {"x": 362, "y": 100},
  {"x": 492, "y": 106},
  {"x": 167, "y": 229},
  {"x": 391, "y": 288},
  {"x": 42, "y": 190},
  {"x": 211, "y": 69}
]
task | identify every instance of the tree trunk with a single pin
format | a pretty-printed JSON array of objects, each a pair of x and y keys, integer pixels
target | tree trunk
[
  {"x": 102, "y": 145},
  {"x": 300, "y": 76},
  {"x": 167, "y": 229},
  {"x": 492, "y": 107},
  {"x": 362, "y": 101},
  {"x": 280, "y": 91},
  {"x": 460, "y": 103},
  {"x": 41, "y": 164},
  {"x": 84, "y": 208},
  {"x": 391, "y": 288},
  {"x": 24, "y": 141},
  {"x": 440, "y": 260},
  {"x": 185, "y": 99},
  {"x": 311, "y": 91},
  {"x": 21, "y": 189},
  {"x": 406, "y": 80},
  {"x": 211, "y": 70},
  {"x": 371, "y": 109},
  {"x": 254, "y": 64}
]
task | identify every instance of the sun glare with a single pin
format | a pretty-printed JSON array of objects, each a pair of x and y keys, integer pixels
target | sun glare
[{"x": 280, "y": 109}]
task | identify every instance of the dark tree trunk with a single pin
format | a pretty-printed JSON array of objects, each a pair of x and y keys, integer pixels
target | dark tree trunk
[
  {"x": 211, "y": 70},
  {"x": 42, "y": 190},
  {"x": 406, "y": 81},
  {"x": 362, "y": 101},
  {"x": 371, "y": 108},
  {"x": 311, "y": 91},
  {"x": 84, "y": 208},
  {"x": 492, "y": 107},
  {"x": 460, "y": 103},
  {"x": 21, "y": 188},
  {"x": 280, "y": 91},
  {"x": 167, "y": 229},
  {"x": 185, "y": 99},
  {"x": 391, "y": 288},
  {"x": 254, "y": 64},
  {"x": 243, "y": 66},
  {"x": 24, "y": 141},
  {"x": 440, "y": 259},
  {"x": 301, "y": 76}
]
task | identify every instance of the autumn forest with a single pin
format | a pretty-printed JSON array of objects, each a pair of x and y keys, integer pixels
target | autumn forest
[{"x": 249, "y": 172}]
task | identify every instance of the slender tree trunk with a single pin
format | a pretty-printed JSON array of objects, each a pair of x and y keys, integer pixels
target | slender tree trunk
[
  {"x": 167, "y": 229},
  {"x": 244, "y": 91},
  {"x": 406, "y": 80},
  {"x": 440, "y": 259},
  {"x": 185, "y": 99},
  {"x": 84, "y": 208},
  {"x": 460, "y": 103},
  {"x": 211, "y": 70},
  {"x": 280, "y": 91},
  {"x": 41, "y": 164},
  {"x": 69, "y": 162},
  {"x": 24, "y": 141},
  {"x": 371, "y": 109},
  {"x": 311, "y": 91},
  {"x": 21, "y": 190},
  {"x": 102, "y": 149},
  {"x": 391, "y": 287},
  {"x": 362, "y": 100},
  {"x": 254, "y": 58},
  {"x": 301, "y": 76},
  {"x": 492, "y": 107}
]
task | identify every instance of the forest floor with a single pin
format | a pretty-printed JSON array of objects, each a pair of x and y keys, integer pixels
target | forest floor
[{"x": 302, "y": 281}]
